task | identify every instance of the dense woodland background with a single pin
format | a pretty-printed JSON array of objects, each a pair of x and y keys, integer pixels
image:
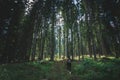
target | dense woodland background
[
  {"x": 37, "y": 37},
  {"x": 50, "y": 29}
]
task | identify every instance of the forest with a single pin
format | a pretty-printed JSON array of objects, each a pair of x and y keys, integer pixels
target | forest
[{"x": 37, "y": 37}]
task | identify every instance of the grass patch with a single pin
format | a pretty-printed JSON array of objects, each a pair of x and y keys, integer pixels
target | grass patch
[{"x": 83, "y": 70}]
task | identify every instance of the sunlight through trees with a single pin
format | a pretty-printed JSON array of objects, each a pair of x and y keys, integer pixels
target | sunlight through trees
[{"x": 50, "y": 29}]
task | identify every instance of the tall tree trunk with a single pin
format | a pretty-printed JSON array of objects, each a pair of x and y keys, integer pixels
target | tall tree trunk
[
  {"x": 67, "y": 43},
  {"x": 52, "y": 38},
  {"x": 34, "y": 46},
  {"x": 59, "y": 42},
  {"x": 71, "y": 49}
]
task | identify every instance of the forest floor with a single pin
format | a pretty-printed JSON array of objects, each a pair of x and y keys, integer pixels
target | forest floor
[{"x": 83, "y": 70}]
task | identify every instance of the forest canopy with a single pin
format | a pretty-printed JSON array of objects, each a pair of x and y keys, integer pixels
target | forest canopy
[{"x": 49, "y": 29}]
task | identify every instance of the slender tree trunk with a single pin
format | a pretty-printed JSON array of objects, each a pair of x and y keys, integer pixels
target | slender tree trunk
[
  {"x": 82, "y": 48},
  {"x": 71, "y": 49},
  {"x": 59, "y": 42},
  {"x": 52, "y": 38},
  {"x": 64, "y": 42},
  {"x": 67, "y": 43},
  {"x": 34, "y": 47},
  {"x": 94, "y": 49}
]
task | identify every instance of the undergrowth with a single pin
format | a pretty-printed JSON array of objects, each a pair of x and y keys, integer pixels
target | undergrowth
[{"x": 81, "y": 70}]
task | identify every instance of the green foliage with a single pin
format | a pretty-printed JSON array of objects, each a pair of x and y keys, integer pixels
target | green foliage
[
  {"x": 97, "y": 70},
  {"x": 26, "y": 71},
  {"x": 34, "y": 71},
  {"x": 83, "y": 70}
]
